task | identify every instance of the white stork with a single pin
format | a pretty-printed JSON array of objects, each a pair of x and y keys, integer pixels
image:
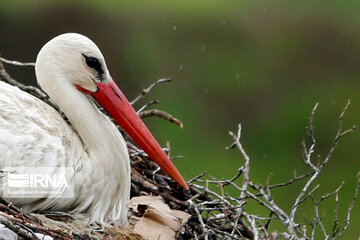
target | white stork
[{"x": 72, "y": 71}]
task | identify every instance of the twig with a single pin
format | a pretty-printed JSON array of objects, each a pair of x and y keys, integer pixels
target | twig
[
  {"x": 146, "y": 106},
  {"x": 339, "y": 134},
  {"x": 350, "y": 209},
  {"x": 335, "y": 229},
  {"x": 310, "y": 133},
  {"x": 316, "y": 205},
  {"x": 17, "y": 229},
  {"x": 16, "y": 63},
  {"x": 161, "y": 114},
  {"x": 147, "y": 90},
  {"x": 201, "y": 221},
  {"x": 197, "y": 177},
  {"x": 294, "y": 179},
  {"x": 246, "y": 169}
]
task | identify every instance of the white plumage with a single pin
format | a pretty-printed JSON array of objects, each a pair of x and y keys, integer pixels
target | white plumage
[{"x": 33, "y": 134}]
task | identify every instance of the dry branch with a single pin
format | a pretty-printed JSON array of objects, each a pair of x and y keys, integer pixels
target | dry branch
[
  {"x": 16, "y": 63},
  {"x": 161, "y": 114},
  {"x": 147, "y": 90}
]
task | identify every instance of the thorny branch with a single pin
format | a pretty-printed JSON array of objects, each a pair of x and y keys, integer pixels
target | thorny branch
[{"x": 215, "y": 214}]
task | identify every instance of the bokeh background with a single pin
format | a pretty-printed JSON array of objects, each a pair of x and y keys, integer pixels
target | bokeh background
[{"x": 263, "y": 64}]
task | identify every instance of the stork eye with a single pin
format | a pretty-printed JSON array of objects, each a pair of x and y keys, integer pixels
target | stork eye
[{"x": 94, "y": 63}]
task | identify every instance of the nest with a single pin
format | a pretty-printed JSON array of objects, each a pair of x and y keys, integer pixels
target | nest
[{"x": 146, "y": 179}]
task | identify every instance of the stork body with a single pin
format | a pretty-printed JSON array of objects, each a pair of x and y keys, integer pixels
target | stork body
[
  {"x": 70, "y": 69},
  {"x": 33, "y": 134}
]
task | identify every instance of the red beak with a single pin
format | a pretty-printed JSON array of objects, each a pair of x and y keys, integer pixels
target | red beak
[{"x": 119, "y": 108}]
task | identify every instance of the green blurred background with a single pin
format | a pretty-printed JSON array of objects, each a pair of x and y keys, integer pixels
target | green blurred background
[{"x": 263, "y": 64}]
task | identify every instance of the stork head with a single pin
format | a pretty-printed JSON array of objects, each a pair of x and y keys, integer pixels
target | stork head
[
  {"x": 76, "y": 58},
  {"x": 80, "y": 64}
]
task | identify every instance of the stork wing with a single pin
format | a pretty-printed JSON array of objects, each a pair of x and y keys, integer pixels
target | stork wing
[{"x": 32, "y": 133}]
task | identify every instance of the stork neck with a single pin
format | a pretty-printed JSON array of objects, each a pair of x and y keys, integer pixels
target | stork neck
[
  {"x": 97, "y": 132},
  {"x": 107, "y": 154}
]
